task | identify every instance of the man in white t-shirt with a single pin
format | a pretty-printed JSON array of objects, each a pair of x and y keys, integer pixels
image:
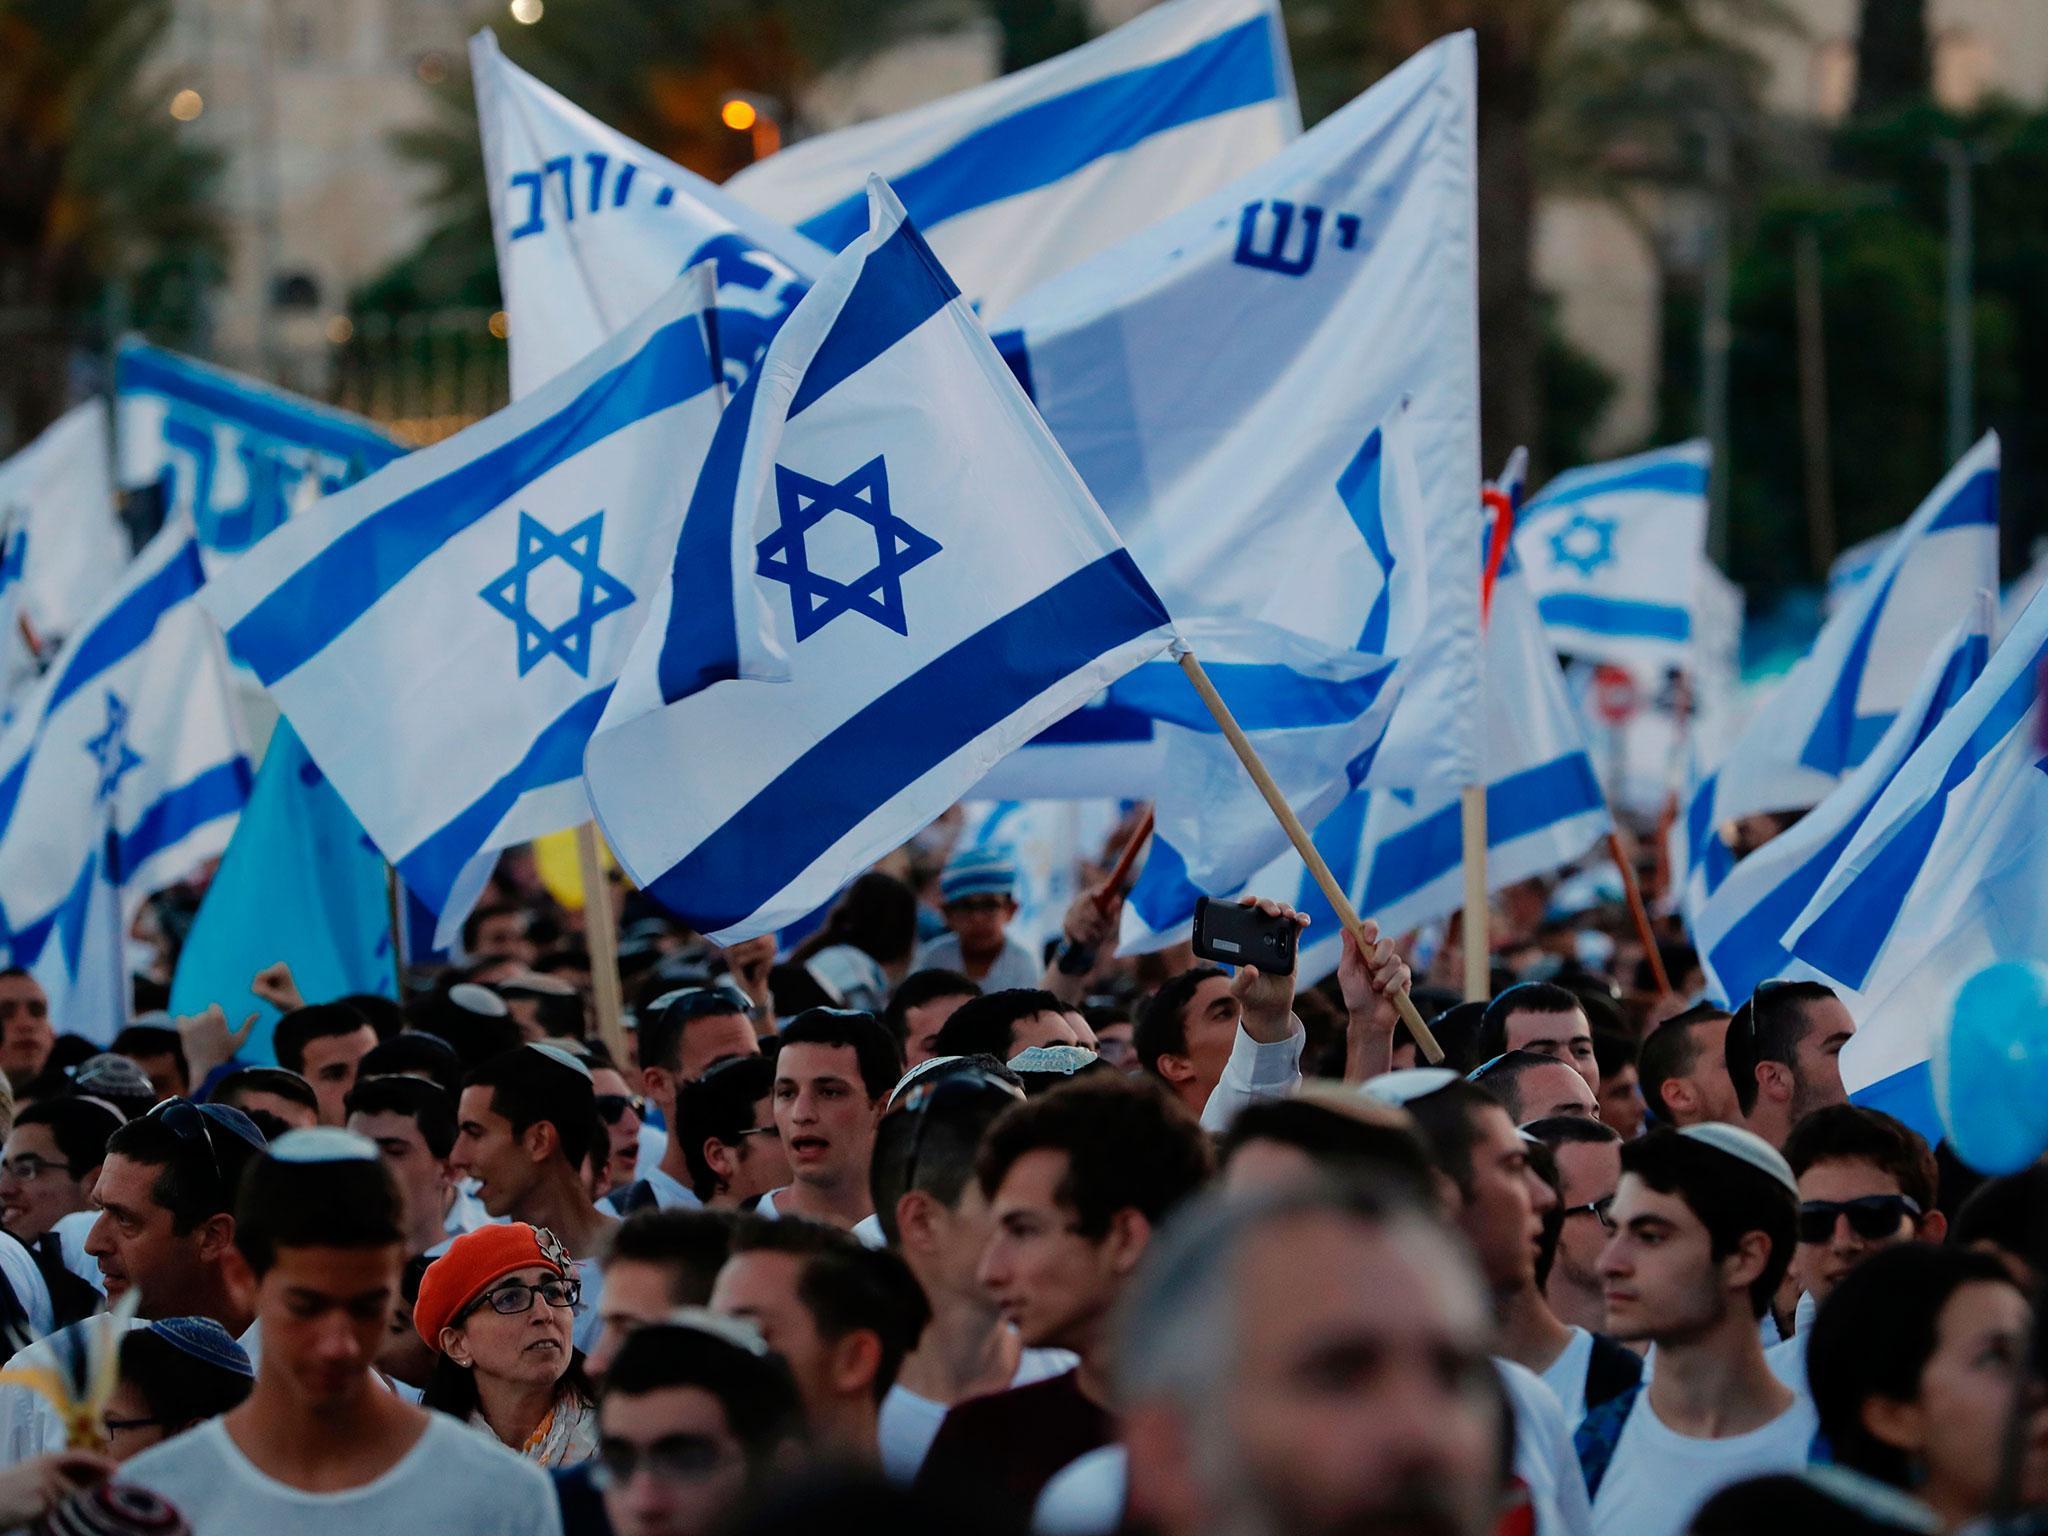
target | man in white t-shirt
[
  {"x": 692, "y": 1031},
  {"x": 1704, "y": 1225},
  {"x": 832, "y": 1081},
  {"x": 319, "y": 1447}
]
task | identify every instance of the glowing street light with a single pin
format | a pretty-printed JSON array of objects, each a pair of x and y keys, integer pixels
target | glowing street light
[
  {"x": 753, "y": 115},
  {"x": 187, "y": 105},
  {"x": 739, "y": 114},
  {"x": 527, "y": 12}
]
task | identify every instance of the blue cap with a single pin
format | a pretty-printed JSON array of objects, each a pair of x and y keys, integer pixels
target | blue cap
[
  {"x": 979, "y": 872},
  {"x": 204, "y": 1340}
]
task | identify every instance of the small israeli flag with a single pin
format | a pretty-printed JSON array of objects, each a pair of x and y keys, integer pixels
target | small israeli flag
[
  {"x": 1609, "y": 547},
  {"x": 889, "y": 576},
  {"x": 122, "y": 774},
  {"x": 444, "y": 635}
]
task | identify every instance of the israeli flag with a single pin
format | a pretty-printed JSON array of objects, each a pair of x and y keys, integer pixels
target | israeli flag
[
  {"x": 1739, "y": 930},
  {"x": 235, "y": 456},
  {"x": 122, "y": 774},
  {"x": 1018, "y": 180},
  {"x": 1853, "y": 566},
  {"x": 1215, "y": 377},
  {"x": 1943, "y": 877},
  {"x": 1830, "y": 711},
  {"x": 591, "y": 228},
  {"x": 888, "y": 577},
  {"x": 1608, "y": 548},
  {"x": 1399, "y": 854},
  {"x": 64, "y": 546},
  {"x": 444, "y": 635}
]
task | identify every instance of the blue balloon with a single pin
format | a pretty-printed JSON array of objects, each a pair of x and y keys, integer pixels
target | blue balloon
[{"x": 1990, "y": 1068}]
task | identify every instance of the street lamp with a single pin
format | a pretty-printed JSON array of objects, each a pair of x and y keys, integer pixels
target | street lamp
[{"x": 754, "y": 115}]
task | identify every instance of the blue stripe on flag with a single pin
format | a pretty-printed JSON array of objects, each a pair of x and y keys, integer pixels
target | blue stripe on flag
[
  {"x": 219, "y": 791},
  {"x": 1094, "y": 725},
  {"x": 701, "y": 644},
  {"x": 898, "y": 737},
  {"x": 1907, "y": 1095},
  {"x": 1340, "y": 839},
  {"x": 431, "y": 868},
  {"x": 899, "y": 287},
  {"x": 1164, "y": 895},
  {"x": 1843, "y": 941},
  {"x": 1676, "y": 477},
  {"x": 150, "y": 371},
  {"x": 311, "y": 607},
  {"x": 1263, "y": 697},
  {"x": 1359, "y": 488},
  {"x": 1615, "y": 616},
  {"x": 1050, "y": 140},
  {"x": 1518, "y": 805},
  {"x": 1975, "y": 505}
]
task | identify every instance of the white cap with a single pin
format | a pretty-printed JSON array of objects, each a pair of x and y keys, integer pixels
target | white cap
[
  {"x": 1748, "y": 1146},
  {"x": 323, "y": 1144},
  {"x": 929, "y": 1064},
  {"x": 1402, "y": 1088},
  {"x": 470, "y": 997},
  {"x": 560, "y": 1057}
]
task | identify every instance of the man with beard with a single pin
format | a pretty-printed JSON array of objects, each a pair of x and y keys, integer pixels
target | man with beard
[
  {"x": 1305, "y": 1362},
  {"x": 1784, "y": 1050}
]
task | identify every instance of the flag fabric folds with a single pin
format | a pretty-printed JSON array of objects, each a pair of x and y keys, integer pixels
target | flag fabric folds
[
  {"x": 1608, "y": 548},
  {"x": 1943, "y": 877},
  {"x": 63, "y": 540},
  {"x": 300, "y": 882},
  {"x": 1831, "y": 709},
  {"x": 1739, "y": 930},
  {"x": 591, "y": 228},
  {"x": 122, "y": 774},
  {"x": 889, "y": 576},
  {"x": 236, "y": 456},
  {"x": 1017, "y": 180},
  {"x": 1216, "y": 375},
  {"x": 443, "y": 636}
]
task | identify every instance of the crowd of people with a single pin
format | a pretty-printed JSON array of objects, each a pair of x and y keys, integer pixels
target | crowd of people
[{"x": 913, "y": 1227}]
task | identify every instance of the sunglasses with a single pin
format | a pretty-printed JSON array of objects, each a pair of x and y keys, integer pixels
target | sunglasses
[
  {"x": 612, "y": 1107},
  {"x": 511, "y": 1300},
  {"x": 1602, "y": 1210},
  {"x": 1872, "y": 1218},
  {"x": 189, "y": 1122},
  {"x": 702, "y": 1002},
  {"x": 671, "y": 1459}
]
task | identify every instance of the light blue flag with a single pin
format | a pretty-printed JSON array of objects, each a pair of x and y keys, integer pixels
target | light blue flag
[
  {"x": 122, "y": 774},
  {"x": 300, "y": 882},
  {"x": 889, "y": 576},
  {"x": 1944, "y": 876},
  {"x": 1739, "y": 930},
  {"x": 1831, "y": 709},
  {"x": 1613, "y": 552},
  {"x": 444, "y": 635},
  {"x": 235, "y": 456}
]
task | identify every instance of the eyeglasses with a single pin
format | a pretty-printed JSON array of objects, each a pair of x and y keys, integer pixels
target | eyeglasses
[
  {"x": 511, "y": 1300},
  {"x": 188, "y": 1121},
  {"x": 762, "y": 1130},
  {"x": 672, "y": 1459},
  {"x": 612, "y": 1107},
  {"x": 1602, "y": 1210},
  {"x": 27, "y": 1167},
  {"x": 957, "y": 1087},
  {"x": 1872, "y": 1218}
]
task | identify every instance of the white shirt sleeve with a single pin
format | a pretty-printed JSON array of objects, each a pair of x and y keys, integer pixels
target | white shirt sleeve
[{"x": 1256, "y": 1070}]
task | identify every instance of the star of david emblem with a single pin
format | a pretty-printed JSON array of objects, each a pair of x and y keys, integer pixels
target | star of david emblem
[
  {"x": 817, "y": 599},
  {"x": 599, "y": 594},
  {"x": 111, "y": 752},
  {"x": 1584, "y": 543}
]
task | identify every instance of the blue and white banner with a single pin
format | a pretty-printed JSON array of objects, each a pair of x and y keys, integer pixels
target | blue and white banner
[
  {"x": 1018, "y": 180},
  {"x": 1399, "y": 854},
  {"x": 236, "y": 456},
  {"x": 444, "y": 635},
  {"x": 591, "y": 228},
  {"x": 1740, "y": 929},
  {"x": 64, "y": 543},
  {"x": 122, "y": 774},
  {"x": 1612, "y": 551},
  {"x": 1831, "y": 709},
  {"x": 1214, "y": 377},
  {"x": 1944, "y": 876},
  {"x": 889, "y": 576}
]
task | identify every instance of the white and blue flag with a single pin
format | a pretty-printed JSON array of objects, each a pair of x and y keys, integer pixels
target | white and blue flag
[
  {"x": 591, "y": 228},
  {"x": 1943, "y": 877},
  {"x": 64, "y": 546},
  {"x": 889, "y": 576},
  {"x": 1015, "y": 181},
  {"x": 1831, "y": 709},
  {"x": 1612, "y": 550},
  {"x": 444, "y": 635},
  {"x": 122, "y": 773},
  {"x": 235, "y": 456},
  {"x": 1740, "y": 929},
  {"x": 1217, "y": 377}
]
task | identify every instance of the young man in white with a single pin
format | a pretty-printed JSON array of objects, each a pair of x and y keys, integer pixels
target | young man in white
[
  {"x": 832, "y": 1081},
  {"x": 1704, "y": 1230}
]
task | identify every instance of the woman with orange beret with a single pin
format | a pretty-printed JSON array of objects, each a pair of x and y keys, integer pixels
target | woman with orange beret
[{"x": 498, "y": 1310}]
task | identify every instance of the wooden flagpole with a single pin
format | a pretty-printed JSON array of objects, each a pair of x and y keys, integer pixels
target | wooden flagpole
[
  {"x": 1297, "y": 834},
  {"x": 1644, "y": 932},
  {"x": 1119, "y": 876},
  {"x": 1478, "y": 972},
  {"x": 601, "y": 937}
]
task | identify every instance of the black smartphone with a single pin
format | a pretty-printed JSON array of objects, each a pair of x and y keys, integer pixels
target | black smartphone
[{"x": 1231, "y": 934}]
